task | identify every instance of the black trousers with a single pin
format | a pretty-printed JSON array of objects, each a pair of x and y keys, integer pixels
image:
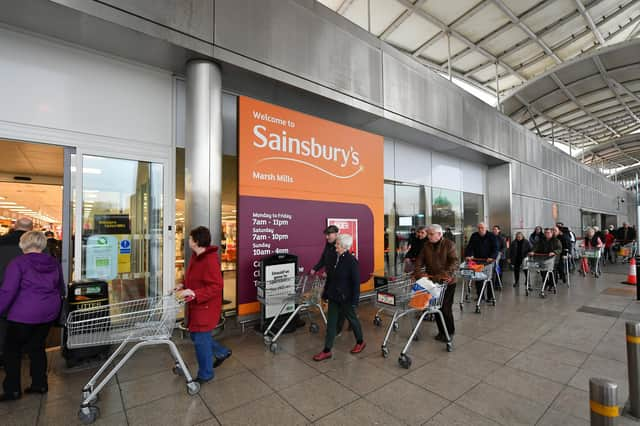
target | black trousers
[
  {"x": 516, "y": 273},
  {"x": 488, "y": 292},
  {"x": 29, "y": 339},
  {"x": 447, "y": 311}
]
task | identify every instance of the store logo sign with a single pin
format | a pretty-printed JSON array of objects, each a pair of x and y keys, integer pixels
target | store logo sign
[{"x": 306, "y": 151}]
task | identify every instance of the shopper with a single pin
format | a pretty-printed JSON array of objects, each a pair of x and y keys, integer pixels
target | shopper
[
  {"x": 31, "y": 297},
  {"x": 548, "y": 246},
  {"x": 9, "y": 243},
  {"x": 482, "y": 245},
  {"x": 609, "y": 240},
  {"x": 415, "y": 249},
  {"x": 562, "y": 235},
  {"x": 202, "y": 290},
  {"x": 328, "y": 257},
  {"x": 626, "y": 234},
  {"x": 53, "y": 245},
  {"x": 519, "y": 249},
  {"x": 342, "y": 291},
  {"x": 501, "y": 243},
  {"x": 536, "y": 235},
  {"x": 440, "y": 261}
]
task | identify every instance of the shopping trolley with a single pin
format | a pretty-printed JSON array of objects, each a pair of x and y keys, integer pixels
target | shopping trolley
[
  {"x": 471, "y": 273},
  {"x": 391, "y": 282},
  {"x": 146, "y": 321},
  {"x": 626, "y": 250},
  {"x": 405, "y": 298},
  {"x": 590, "y": 257},
  {"x": 538, "y": 264},
  {"x": 305, "y": 294}
]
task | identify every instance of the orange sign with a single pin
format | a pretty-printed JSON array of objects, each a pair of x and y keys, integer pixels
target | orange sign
[{"x": 296, "y": 172}]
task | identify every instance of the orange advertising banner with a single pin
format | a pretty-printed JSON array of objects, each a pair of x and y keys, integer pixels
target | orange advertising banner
[{"x": 296, "y": 172}]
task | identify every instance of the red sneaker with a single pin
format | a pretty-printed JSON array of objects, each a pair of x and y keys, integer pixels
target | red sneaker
[
  {"x": 359, "y": 347},
  {"x": 322, "y": 356}
]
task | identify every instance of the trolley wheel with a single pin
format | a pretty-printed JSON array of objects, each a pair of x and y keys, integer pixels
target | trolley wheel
[
  {"x": 462, "y": 306},
  {"x": 542, "y": 295},
  {"x": 385, "y": 352},
  {"x": 493, "y": 303},
  {"x": 273, "y": 347},
  {"x": 526, "y": 292},
  {"x": 377, "y": 321},
  {"x": 477, "y": 309},
  {"x": 193, "y": 388},
  {"x": 404, "y": 361},
  {"x": 449, "y": 347},
  {"x": 267, "y": 340},
  {"x": 416, "y": 337},
  {"x": 85, "y": 395},
  {"x": 177, "y": 370},
  {"x": 396, "y": 326},
  {"x": 88, "y": 415},
  {"x": 314, "y": 328}
]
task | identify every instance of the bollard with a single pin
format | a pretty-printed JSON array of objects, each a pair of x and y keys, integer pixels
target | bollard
[
  {"x": 637, "y": 283},
  {"x": 603, "y": 402},
  {"x": 633, "y": 366}
]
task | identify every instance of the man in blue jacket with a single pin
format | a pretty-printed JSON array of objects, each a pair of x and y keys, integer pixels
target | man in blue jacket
[{"x": 482, "y": 245}]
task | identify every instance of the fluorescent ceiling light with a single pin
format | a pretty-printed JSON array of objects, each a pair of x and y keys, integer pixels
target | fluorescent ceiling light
[
  {"x": 16, "y": 208},
  {"x": 7, "y": 203},
  {"x": 88, "y": 170}
]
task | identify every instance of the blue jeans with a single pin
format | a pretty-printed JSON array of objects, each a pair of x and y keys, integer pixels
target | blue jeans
[{"x": 206, "y": 349}]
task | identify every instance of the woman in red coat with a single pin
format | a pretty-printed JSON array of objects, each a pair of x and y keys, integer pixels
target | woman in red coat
[{"x": 202, "y": 291}]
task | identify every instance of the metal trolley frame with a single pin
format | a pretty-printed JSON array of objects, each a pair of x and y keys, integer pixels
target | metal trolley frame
[
  {"x": 306, "y": 294},
  {"x": 397, "y": 297},
  {"x": 626, "y": 250},
  {"x": 540, "y": 263},
  {"x": 470, "y": 276},
  {"x": 392, "y": 281},
  {"x": 594, "y": 255},
  {"x": 146, "y": 321}
]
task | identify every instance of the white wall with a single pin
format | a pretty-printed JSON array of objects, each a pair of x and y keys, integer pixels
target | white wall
[
  {"x": 408, "y": 163},
  {"x": 50, "y": 85}
]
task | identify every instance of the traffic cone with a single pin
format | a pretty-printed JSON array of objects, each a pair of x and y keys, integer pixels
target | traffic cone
[{"x": 631, "y": 278}]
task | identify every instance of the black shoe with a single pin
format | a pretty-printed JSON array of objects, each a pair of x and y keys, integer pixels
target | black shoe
[
  {"x": 440, "y": 337},
  {"x": 32, "y": 390},
  {"x": 516, "y": 285},
  {"x": 10, "y": 396},
  {"x": 218, "y": 362},
  {"x": 202, "y": 381}
]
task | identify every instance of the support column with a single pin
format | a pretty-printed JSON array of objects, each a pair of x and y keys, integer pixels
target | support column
[{"x": 203, "y": 149}]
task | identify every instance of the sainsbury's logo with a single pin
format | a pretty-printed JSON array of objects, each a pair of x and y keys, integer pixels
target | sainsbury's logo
[{"x": 307, "y": 149}]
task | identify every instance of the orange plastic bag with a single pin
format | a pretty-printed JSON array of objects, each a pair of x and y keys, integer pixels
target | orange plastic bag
[{"x": 420, "y": 300}]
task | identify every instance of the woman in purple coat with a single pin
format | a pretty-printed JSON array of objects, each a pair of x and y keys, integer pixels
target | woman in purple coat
[{"x": 30, "y": 297}]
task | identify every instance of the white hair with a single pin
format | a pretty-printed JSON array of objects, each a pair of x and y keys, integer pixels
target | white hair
[
  {"x": 435, "y": 227},
  {"x": 345, "y": 240}
]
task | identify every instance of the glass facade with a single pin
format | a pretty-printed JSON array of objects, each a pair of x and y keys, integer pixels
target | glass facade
[
  {"x": 122, "y": 226},
  {"x": 408, "y": 206}
]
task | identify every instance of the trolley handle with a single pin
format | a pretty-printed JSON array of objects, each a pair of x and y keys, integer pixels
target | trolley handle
[
  {"x": 534, "y": 254},
  {"x": 486, "y": 260}
]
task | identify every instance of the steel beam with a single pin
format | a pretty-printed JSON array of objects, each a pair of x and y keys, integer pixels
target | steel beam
[
  {"x": 587, "y": 17},
  {"x": 401, "y": 19}
]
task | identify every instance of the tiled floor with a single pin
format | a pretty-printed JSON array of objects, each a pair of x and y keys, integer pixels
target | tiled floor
[{"x": 526, "y": 361}]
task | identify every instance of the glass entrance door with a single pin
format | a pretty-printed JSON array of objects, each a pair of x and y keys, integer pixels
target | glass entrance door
[{"x": 122, "y": 226}]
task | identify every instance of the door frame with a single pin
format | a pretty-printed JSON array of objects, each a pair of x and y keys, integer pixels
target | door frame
[{"x": 104, "y": 146}]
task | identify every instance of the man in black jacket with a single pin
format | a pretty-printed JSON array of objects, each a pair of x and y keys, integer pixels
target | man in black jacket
[
  {"x": 482, "y": 245},
  {"x": 414, "y": 250},
  {"x": 561, "y": 234},
  {"x": 328, "y": 260},
  {"x": 626, "y": 234}
]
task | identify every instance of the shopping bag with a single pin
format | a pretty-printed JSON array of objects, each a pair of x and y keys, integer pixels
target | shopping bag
[
  {"x": 428, "y": 285},
  {"x": 420, "y": 300},
  {"x": 585, "y": 265}
]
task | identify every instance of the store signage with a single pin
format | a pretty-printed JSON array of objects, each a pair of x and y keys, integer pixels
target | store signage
[
  {"x": 347, "y": 226},
  {"x": 124, "y": 255},
  {"x": 112, "y": 224},
  {"x": 280, "y": 282},
  {"x": 295, "y": 171},
  {"x": 102, "y": 257}
]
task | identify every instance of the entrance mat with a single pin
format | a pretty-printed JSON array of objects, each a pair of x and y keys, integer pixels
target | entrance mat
[
  {"x": 617, "y": 291},
  {"x": 599, "y": 311}
]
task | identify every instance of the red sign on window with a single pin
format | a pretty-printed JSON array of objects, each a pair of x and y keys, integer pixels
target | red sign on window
[{"x": 347, "y": 226}]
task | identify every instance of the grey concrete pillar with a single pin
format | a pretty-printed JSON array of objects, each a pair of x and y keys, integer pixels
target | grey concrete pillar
[{"x": 203, "y": 149}]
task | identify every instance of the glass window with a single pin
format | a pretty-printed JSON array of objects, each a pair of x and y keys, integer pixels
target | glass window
[
  {"x": 229, "y": 234},
  {"x": 447, "y": 212},
  {"x": 122, "y": 220},
  {"x": 473, "y": 214},
  {"x": 389, "y": 229}
]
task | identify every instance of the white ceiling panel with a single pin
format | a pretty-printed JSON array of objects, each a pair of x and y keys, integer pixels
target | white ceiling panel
[
  {"x": 576, "y": 47},
  {"x": 357, "y": 13},
  {"x": 523, "y": 54},
  {"x": 331, "y": 4},
  {"x": 538, "y": 67},
  {"x": 383, "y": 13},
  {"x": 484, "y": 22},
  {"x": 469, "y": 61},
  {"x": 438, "y": 51},
  {"x": 498, "y": 45},
  {"x": 413, "y": 33},
  {"x": 448, "y": 11}
]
